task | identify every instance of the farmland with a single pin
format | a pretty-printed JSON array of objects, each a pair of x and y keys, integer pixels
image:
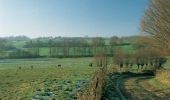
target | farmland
[
  {"x": 31, "y": 71},
  {"x": 84, "y": 50},
  {"x": 70, "y": 72},
  {"x": 44, "y": 79},
  {"x": 61, "y": 47}
]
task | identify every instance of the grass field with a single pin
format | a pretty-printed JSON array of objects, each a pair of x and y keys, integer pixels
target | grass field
[
  {"x": 46, "y": 80},
  {"x": 19, "y": 44},
  {"x": 41, "y": 78}
]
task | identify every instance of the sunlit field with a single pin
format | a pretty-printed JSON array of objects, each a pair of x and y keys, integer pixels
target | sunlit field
[
  {"x": 43, "y": 78},
  {"x": 84, "y": 49}
]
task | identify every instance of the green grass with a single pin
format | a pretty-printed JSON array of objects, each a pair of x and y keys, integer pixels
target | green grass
[
  {"x": 45, "y": 80},
  {"x": 158, "y": 84},
  {"x": 44, "y": 62},
  {"x": 167, "y": 64},
  {"x": 44, "y": 51},
  {"x": 18, "y": 44},
  {"x": 127, "y": 48}
]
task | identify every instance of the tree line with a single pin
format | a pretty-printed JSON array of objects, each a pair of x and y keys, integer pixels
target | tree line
[
  {"x": 68, "y": 47},
  {"x": 143, "y": 59}
]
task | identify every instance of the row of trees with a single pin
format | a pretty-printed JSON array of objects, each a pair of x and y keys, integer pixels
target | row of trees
[
  {"x": 72, "y": 47},
  {"x": 60, "y": 46},
  {"x": 148, "y": 58},
  {"x": 73, "y": 42},
  {"x": 71, "y": 51},
  {"x": 152, "y": 52},
  {"x": 57, "y": 47},
  {"x": 156, "y": 23},
  {"x": 18, "y": 53},
  {"x": 149, "y": 51},
  {"x": 144, "y": 56}
]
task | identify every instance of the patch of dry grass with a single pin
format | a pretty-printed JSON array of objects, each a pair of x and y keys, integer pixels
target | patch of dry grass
[{"x": 163, "y": 76}]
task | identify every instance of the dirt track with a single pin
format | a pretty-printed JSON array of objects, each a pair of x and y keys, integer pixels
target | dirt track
[{"x": 129, "y": 87}]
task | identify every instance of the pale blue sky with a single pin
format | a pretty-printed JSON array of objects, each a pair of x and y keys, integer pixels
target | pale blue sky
[{"x": 35, "y": 18}]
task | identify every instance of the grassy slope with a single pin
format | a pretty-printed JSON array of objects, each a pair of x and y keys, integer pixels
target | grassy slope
[
  {"x": 163, "y": 76},
  {"x": 156, "y": 87}
]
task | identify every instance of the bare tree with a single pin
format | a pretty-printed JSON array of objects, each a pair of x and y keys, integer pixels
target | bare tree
[
  {"x": 50, "y": 42},
  {"x": 98, "y": 42},
  {"x": 156, "y": 22},
  {"x": 118, "y": 58},
  {"x": 114, "y": 41},
  {"x": 101, "y": 59}
]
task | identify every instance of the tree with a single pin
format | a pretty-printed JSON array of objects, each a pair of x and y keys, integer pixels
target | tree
[
  {"x": 98, "y": 42},
  {"x": 143, "y": 42},
  {"x": 114, "y": 41},
  {"x": 84, "y": 45},
  {"x": 3, "y": 47},
  {"x": 101, "y": 59},
  {"x": 156, "y": 22},
  {"x": 19, "y": 53},
  {"x": 50, "y": 43},
  {"x": 34, "y": 47},
  {"x": 37, "y": 47},
  {"x": 118, "y": 57}
]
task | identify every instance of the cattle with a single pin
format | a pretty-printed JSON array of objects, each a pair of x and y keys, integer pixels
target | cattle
[
  {"x": 59, "y": 65},
  {"x": 90, "y": 64}
]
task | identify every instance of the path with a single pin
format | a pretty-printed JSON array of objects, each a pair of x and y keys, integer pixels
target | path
[{"x": 128, "y": 86}]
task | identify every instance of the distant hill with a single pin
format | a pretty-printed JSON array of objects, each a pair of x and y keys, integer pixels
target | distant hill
[{"x": 16, "y": 38}]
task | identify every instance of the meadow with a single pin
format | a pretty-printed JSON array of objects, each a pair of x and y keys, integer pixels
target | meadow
[
  {"x": 65, "y": 72},
  {"x": 41, "y": 78}
]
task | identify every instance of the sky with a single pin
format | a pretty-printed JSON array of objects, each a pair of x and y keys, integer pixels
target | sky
[{"x": 71, "y": 18}]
